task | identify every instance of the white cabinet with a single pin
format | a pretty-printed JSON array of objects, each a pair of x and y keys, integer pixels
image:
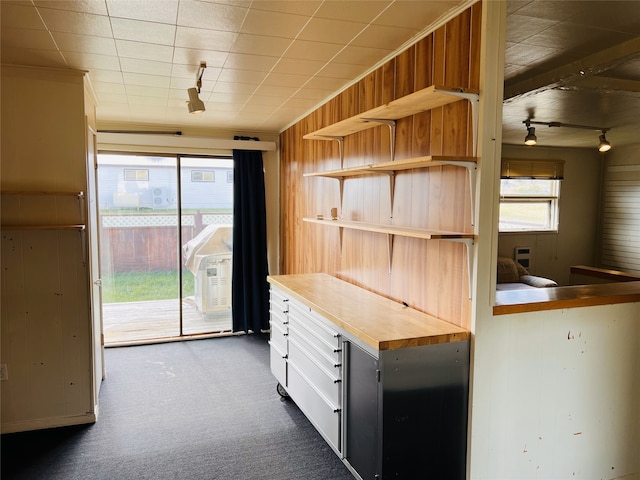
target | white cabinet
[{"x": 388, "y": 391}]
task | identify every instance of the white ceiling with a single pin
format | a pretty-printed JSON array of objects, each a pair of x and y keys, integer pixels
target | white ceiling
[
  {"x": 271, "y": 62},
  {"x": 268, "y": 62}
]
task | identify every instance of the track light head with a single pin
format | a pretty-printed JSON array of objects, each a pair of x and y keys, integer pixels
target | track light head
[
  {"x": 194, "y": 104},
  {"x": 531, "y": 138},
  {"x": 604, "y": 145}
]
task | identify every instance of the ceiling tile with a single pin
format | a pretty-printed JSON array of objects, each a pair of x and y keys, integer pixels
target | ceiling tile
[
  {"x": 366, "y": 56},
  {"x": 226, "y": 98},
  {"x": 226, "y": 87},
  {"x": 342, "y": 70},
  {"x": 260, "y": 45},
  {"x": 162, "y": 11},
  {"x": 232, "y": 75},
  {"x": 193, "y": 58},
  {"x": 145, "y": 80},
  {"x": 284, "y": 79},
  {"x": 74, "y": 22},
  {"x": 89, "y": 61},
  {"x": 331, "y": 31},
  {"x": 243, "y": 61},
  {"x": 316, "y": 94},
  {"x": 275, "y": 91},
  {"x": 214, "y": 16},
  {"x": 145, "y": 51},
  {"x": 83, "y": 6},
  {"x": 72, "y": 42},
  {"x": 415, "y": 15},
  {"x": 305, "y": 49},
  {"x": 148, "y": 67},
  {"x": 206, "y": 39},
  {"x": 273, "y": 24},
  {"x": 326, "y": 83},
  {"x": 522, "y": 27},
  {"x": 274, "y": 102},
  {"x": 140, "y": 31},
  {"x": 378, "y": 36},
  {"x": 111, "y": 88},
  {"x": 31, "y": 39},
  {"x": 110, "y": 98},
  {"x": 307, "y": 8},
  {"x": 361, "y": 11},
  {"x": 110, "y": 76},
  {"x": 20, "y": 16},
  {"x": 298, "y": 66}
]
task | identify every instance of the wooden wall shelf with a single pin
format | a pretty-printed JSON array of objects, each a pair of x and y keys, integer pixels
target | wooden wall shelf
[
  {"x": 391, "y": 230},
  {"x": 390, "y": 169}
]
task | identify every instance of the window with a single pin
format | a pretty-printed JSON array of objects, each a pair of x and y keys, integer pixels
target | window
[
  {"x": 230, "y": 176},
  {"x": 529, "y": 205},
  {"x": 136, "y": 174},
  {"x": 203, "y": 176}
]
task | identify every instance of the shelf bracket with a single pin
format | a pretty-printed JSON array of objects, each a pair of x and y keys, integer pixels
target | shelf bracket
[
  {"x": 392, "y": 132},
  {"x": 392, "y": 188},
  {"x": 472, "y": 168},
  {"x": 474, "y": 100},
  {"x": 469, "y": 243},
  {"x": 341, "y": 229},
  {"x": 341, "y": 180},
  {"x": 340, "y": 141},
  {"x": 390, "y": 237}
]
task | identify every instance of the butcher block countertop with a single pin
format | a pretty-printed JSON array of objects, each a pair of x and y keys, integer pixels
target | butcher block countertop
[
  {"x": 379, "y": 322},
  {"x": 538, "y": 299}
]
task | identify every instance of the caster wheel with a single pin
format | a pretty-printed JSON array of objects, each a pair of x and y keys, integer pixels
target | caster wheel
[{"x": 281, "y": 391}]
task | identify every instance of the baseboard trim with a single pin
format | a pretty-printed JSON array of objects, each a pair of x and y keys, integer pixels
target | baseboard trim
[{"x": 42, "y": 423}]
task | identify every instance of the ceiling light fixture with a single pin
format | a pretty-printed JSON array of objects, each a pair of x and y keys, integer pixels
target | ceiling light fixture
[
  {"x": 531, "y": 138},
  {"x": 603, "y": 146},
  {"x": 194, "y": 104}
]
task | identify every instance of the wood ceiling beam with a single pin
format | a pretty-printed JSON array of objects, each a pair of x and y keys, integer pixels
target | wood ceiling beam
[{"x": 574, "y": 72}]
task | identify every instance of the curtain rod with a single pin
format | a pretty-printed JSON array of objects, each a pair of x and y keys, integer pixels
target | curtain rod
[{"x": 144, "y": 132}]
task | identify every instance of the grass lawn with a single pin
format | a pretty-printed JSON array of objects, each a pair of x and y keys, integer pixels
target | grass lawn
[{"x": 138, "y": 286}]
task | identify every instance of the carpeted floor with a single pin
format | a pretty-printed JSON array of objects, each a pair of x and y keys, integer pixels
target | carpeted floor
[{"x": 203, "y": 409}]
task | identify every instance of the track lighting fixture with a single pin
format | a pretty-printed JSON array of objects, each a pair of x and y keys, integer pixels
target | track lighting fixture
[
  {"x": 194, "y": 104},
  {"x": 603, "y": 146},
  {"x": 531, "y": 138}
]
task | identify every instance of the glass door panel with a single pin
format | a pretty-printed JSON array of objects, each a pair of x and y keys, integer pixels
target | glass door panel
[
  {"x": 138, "y": 215},
  {"x": 206, "y": 193}
]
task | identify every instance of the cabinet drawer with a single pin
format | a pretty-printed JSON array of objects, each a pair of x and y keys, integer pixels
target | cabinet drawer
[
  {"x": 327, "y": 357},
  {"x": 279, "y": 336},
  {"x": 327, "y": 384},
  {"x": 308, "y": 320},
  {"x": 278, "y": 361},
  {"x": 325, "y": 417},
  {"x": 278, "y": 300},
  {"x": 278, "y": 317}
]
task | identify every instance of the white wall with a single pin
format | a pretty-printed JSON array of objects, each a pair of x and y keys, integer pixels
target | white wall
[
  {"x": 556, "y": 395},
  {"x": 576, "y": 241}
]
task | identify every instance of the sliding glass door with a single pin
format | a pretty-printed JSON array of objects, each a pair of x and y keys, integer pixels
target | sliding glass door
[{"x": 165, "y": 255}]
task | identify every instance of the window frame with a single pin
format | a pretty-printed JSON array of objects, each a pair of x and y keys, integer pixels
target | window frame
[{"x": 553, "y": 209}]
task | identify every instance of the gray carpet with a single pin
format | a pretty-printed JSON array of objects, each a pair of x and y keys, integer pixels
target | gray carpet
[{"x": 203, "y": 409}]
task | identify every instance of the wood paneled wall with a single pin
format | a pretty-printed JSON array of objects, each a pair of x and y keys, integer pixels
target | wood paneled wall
[{"x": 428, "y": 275}]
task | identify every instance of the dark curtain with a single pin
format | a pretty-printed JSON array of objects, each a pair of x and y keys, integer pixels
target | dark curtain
[{"x": 250, "y": 290}]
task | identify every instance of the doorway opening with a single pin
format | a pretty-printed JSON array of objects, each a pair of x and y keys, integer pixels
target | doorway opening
[{"x": 165, "y": 227}]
